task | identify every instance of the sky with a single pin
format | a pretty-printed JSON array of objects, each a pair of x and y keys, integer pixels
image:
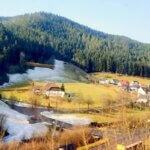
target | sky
[{"x": 122, "y": 17}]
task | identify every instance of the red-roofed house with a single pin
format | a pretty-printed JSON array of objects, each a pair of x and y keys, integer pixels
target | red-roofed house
[
  {"x": 125, "y": 84},
  {"x": 51, "y": 89}
]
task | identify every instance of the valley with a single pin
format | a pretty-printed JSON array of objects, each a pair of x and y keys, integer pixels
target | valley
[
  {"x": 66, "y": 86},
  {"x": 89, "y": 102}
]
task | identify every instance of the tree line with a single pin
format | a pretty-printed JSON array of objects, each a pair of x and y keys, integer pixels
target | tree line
[{"x": 40, "y": 36}]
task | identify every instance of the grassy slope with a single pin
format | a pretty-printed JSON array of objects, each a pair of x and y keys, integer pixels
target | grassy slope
[{"x": 97, "y": 93}]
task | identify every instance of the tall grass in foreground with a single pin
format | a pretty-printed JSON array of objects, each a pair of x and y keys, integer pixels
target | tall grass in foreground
[
  {"x": 127, "y": 130},
  {"x": 52, "y": 141}
]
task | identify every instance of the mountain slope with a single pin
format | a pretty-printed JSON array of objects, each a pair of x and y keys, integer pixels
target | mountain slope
[{"x": 44, "y": 35}]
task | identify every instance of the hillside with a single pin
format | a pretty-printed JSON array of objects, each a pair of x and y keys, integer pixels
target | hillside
[{"x": 40, "y": 36}]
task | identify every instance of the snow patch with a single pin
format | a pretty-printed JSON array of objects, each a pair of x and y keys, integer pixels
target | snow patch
[
  {"x": 18, "y": 126},
  {"x": 71, "y": 119},
  {"x": 62, "y": 72}
]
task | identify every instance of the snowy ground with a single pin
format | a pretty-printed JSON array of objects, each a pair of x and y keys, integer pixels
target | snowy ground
[
  {"x": 18, "y": 127},
  {"x": 71, "y": 119}
]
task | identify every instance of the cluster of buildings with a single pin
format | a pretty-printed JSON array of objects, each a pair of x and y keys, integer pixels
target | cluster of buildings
[
  {"x": 142, "y": 90},
  {"x": 49, "y": 90}
]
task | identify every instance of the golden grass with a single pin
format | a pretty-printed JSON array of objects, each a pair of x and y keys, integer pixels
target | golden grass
[
  {"x": 96, "y": 144},
  {"x": 99, "y": 117},
  {"x": 98, "y": 93},
  {"x": 147, "y": 144},
  {"x": 78, "y": 136}
]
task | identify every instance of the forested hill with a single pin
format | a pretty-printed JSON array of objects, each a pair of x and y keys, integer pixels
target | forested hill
[{"x": 40, "y": 36}]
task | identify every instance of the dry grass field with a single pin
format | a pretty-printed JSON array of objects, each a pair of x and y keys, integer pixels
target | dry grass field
[
  {"x": 98, "y": 94},
  {"x": 82, "y": 91},
  {"x": 131, "y": 119}
]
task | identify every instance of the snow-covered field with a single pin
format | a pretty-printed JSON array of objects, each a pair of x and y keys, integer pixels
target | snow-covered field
[
  {"x": 71, "y": 119},
  {"x": 62, "y": 72},
  {"x": 18, "y": 126}
]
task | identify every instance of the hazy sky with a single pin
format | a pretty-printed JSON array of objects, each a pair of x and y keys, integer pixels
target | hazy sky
[{"x": 124, "y": 17}]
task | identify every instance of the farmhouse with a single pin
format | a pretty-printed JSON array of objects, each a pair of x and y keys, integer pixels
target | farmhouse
[
  {"x": 104, "y": 81},
  {"x": 51, "y": 89},
  {"x": 141, "y": 92},
  {"x": 114, "y": 81},
  {"x": 124, "y": 84},
  {"x": 37, "y": 90},
  {"x": 134, "y": 86},
  {"x": 134, "y": 83}
]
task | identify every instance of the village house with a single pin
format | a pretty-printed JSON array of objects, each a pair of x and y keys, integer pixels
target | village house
[
  {"x": 143, "y": 95},
  {"x": 141, "y": 92},
  {"x": 125, "y": 85},
  {"x": 114, "y": 81},
  {"x": 134, "y": 86},
  {"x": 51, "y": 89},
  {"x": 134, "y": 83},
  {"x": 104, "y": 81}
]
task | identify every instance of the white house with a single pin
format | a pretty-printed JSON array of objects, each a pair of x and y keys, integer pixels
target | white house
[
  {"x": 134, "y": 86},
  {"x": 51, "y": 89},
  {"x": 114, "y": 81},
  {"x": 134, "y": 83},
  {"x": 141, "y": 92},
  {"x": 104, "y": 81}
]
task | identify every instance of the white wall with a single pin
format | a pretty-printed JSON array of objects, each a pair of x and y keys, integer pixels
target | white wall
[{"x": 55, "y": 93}]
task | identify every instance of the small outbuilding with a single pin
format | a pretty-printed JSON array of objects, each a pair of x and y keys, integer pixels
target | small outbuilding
[
  {"x": 114, "y": 81},
  {"x": 104, "y": 81},
  {"x": 37, "y": 90}
]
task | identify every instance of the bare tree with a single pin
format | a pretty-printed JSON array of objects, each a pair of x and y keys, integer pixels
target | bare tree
[
  {"x": 33, "y": 98},
  {"x": 107, "y": 100},
  {"x": 34, "y": 103},
  {"x": 2, "y": 123},
  {"x": 89, "y": 101},
  {"x": 58, "y": 99},
  {"x": 49, "y": 105},
  {"x": 79, "y": 99}
]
